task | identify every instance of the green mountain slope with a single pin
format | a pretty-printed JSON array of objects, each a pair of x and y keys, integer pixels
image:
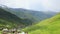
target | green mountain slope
[
  {"x": 9, "y": 20},
  {"x": 49, "y": 26},
  {"x": 33, "y": 16}
]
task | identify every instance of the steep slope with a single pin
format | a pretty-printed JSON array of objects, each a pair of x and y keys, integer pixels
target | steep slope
[
  {"x": 8, "y": 19},
  {"x": 34, "y": 16},
  {"x": 49, "y": 26}
]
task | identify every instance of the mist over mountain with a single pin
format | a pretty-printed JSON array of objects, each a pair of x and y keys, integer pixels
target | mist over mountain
[
  {"x": 10, "y": 20},
  {"x": 30, "y": 14},
  {"x": 23, "y": 16}
]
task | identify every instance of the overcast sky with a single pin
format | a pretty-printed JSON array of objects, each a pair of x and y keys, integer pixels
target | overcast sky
[{"x": 39, "y": 5}]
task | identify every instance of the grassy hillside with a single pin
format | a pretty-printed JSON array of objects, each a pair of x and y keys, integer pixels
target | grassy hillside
[
  {"x": 10, "y": 20},
  {"x": 7, "y": 19},
  {"x": 49, "y": 26},
  {"x": 33, "y": 16}
]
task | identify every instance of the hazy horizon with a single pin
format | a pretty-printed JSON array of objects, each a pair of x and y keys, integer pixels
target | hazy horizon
[{"x": 38, "y": 5}]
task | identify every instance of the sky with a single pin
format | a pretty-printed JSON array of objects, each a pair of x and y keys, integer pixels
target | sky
[{"x": 38, "y": 5}]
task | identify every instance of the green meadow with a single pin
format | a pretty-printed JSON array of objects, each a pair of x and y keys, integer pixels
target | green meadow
[{"x": 48, "y": 26}]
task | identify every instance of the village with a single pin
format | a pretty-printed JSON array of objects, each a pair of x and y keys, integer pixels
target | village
[{"x": 13, "y": 31}]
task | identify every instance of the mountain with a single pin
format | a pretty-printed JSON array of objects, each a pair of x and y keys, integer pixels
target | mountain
[
  {"x": 36, "y": 15},
  {"x": 33, "y": 16},
  {"x": 10, "y": 20},
  {"x": 48, "y": 26}
]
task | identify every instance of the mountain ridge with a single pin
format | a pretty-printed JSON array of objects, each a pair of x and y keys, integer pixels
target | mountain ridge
[
  {"x": 28, "y": 17},
  {"x": 24, "y": 13},
  {"x": 7, "y": 19}
]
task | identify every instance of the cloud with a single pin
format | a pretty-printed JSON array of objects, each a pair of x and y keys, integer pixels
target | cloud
[
  {"x": 40, "y": 5},
  {"x": 15, "y": 3},
  {"x": 45, "y": 5}
]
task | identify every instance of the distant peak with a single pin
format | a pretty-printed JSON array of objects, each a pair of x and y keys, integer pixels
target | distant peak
[{"x": 2, "y": 5}]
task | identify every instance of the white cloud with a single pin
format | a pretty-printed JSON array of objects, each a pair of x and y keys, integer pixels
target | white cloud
[
  {"x": 43, "y": 5},
  {"x": 15, "y": 3}
]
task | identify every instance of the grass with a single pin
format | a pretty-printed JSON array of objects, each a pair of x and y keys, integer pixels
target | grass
[{"x": 48, "y": 26}]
